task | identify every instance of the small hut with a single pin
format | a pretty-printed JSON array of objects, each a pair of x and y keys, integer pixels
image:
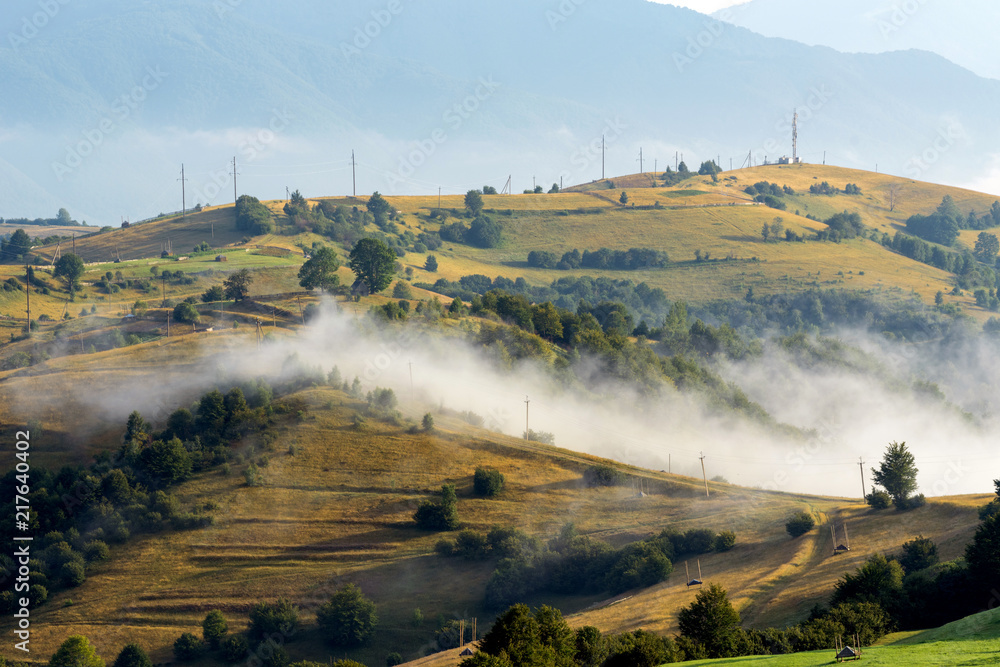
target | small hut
[
  {"x": 467, "y": 652},
  {"x": 360, "y": 288},
  {"x": 847, "y": 653}
]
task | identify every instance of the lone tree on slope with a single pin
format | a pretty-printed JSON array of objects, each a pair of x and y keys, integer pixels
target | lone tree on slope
[{"x": 897, "y": 474}]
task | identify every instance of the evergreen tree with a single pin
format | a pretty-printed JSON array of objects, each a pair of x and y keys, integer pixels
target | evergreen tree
[
  {"x": 132, "y": 655},
  {"x": 897, "y": 474}
]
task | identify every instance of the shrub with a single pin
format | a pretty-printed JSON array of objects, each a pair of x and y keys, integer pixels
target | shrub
[
  {"x": 442, "y": 515},
  {"x": 918, "y": 554},
  {"x": 348, "y": 619},
  {"x": 800, "y": 524},
  {"x": 235, "y": 648},
  {"x": 272, "y": 653},
  {"x": 185, "y": 312},
  {"x": 402, "y": 290},
  {"x": 72, "y": 574},
  {"x": 188, "y": 647},
  {"x": 267, "y": 618},
  {"x": 470, "y": 545},
  {"x": 725, "y": 541},
  {"x": 393, "y": 659},
  {"x": 132, "y": 655},
  {"x": 214, "y": 628},
  {"x": 604, "y": 475},
  {"x": 96, "y": 551},
  {"x": 428, "y": 422},
  {"x": 878, "y": 500},
  {"x": 487, "y": 482}
]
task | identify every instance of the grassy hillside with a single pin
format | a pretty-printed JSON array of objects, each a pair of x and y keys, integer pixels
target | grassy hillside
[
  {"x": 214, "y": 225},
  {"x": 971, "y": 641},
  {"x": 339, "y": 510},
  {"x": 716, "y": 218}
]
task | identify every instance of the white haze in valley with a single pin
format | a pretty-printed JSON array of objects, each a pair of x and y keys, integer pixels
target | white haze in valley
[{"x": 850, "y": 413}]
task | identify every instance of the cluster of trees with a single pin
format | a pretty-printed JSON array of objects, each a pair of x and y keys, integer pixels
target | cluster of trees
[
  {"x": 842, "y": 226},
  {"x": 522, "y": 637},
  {"x": 253, "y": 217},
  {"x": 640, "y": 299},
  {"x": 987, "y": 299},
  {"x": 483, "y": 232},
  {"x": 943, "y": 225},
  {"x": 80, "y": 510},
  {"x": 824, "y": 188},
  {"x": 633, "y": 259},
  {"x": 572, "y": 564},
  {"x": 769, "y": 194},
  {"x": 347, "y": 620},
  {"x": 671, "y": 177},
  {"x": 987, "y": 221},
  {"x": 441, "y": 514},
  {"x": 62, "y": 219},
  {"x": 15, "y": 248}
]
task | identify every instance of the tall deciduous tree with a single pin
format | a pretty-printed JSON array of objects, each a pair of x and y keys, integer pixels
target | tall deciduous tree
[
  {"x": 712, "y": 622},
  {"x": 17, "y": 246},
  {"x": 987, "y": 247},
  {"x": 214, "y": 628},
  {"x": 76, "y": 651},
  {"x": 474, "y": 202},
  {"x": 320, "y": 270},
  {"x": 897, "y": 474},
  {"x": 348, "y": 619},
  {"x": 374, "y": 263},
  {"x": 69, "y": 268},
  {"x": 237, "y": 286},
  {"x": 378, "y": 206}
]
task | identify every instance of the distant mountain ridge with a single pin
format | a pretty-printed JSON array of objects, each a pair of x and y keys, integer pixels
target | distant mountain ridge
[
  {"x": 962, "y": 32},
  {"x": 379, "y": 78}
]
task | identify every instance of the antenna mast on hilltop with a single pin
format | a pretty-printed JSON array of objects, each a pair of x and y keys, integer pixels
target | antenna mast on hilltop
[{"x": 795, "y": 137}]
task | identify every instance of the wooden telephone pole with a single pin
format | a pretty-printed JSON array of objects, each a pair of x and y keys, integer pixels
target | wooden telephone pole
[
  {"x": 27, "y": 277},
  {"x": 861, "y": 464},
  {"x": 526, "y": 405},
  {"x": 703, "y": 475}
]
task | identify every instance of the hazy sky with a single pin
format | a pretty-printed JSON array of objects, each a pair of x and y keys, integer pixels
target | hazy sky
[{"x": 704, "y": 6}]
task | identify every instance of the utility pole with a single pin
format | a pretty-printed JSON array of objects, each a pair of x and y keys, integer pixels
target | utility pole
[
  {"x": 526, "y": 430},
  {"x": 183, "y": 181},
  {"x": 439, "y": 197},
  {"x": 354, "y": 174},
  {"x": 861, "y": 464},
  {"x": 677, "y": 162},
  {"x": 602, "y": 156},
  {"x": 235, "y": 174},
  {"x": 27, "y": 277},
  {"x": 411, "y": 380},
  {"x": 703, "y": 475},
  {"x": 640, "y": 161},
  {"x": 168, "y": 324}
]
